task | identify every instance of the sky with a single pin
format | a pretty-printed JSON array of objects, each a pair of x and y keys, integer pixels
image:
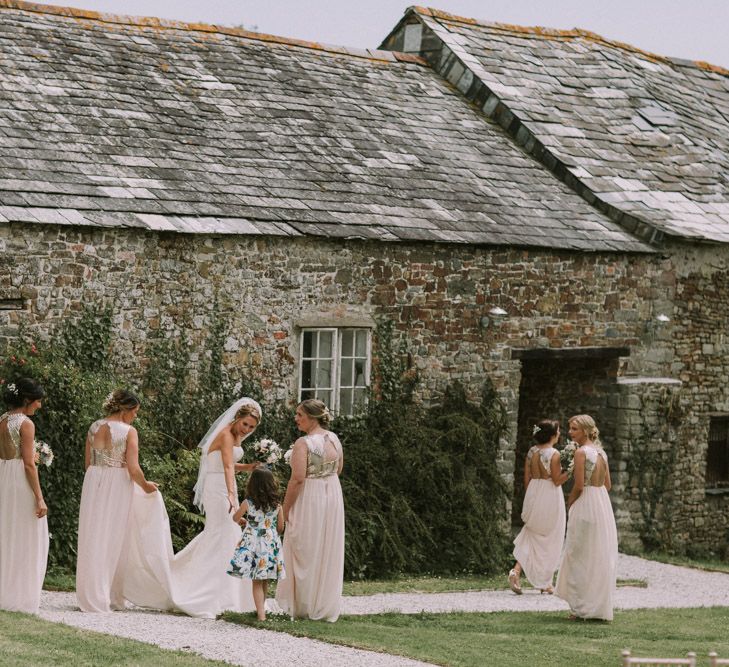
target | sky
[{"x": 692, "y": 29}]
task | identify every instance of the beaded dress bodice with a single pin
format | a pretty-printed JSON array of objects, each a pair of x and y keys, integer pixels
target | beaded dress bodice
[
  {"x": 14, "y": 422},
  {"x": 114, "y": 453},
  {"x": 545, "y": 458},
  {"x": 316, "y": 463}
]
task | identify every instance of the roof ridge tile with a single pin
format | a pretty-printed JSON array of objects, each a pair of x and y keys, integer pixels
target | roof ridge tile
[
  {"x": 154, "y": 22},
  {"x": 555, "y": 33}
]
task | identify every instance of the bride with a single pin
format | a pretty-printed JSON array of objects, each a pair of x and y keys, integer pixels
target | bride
[{"x": 194, "y": 581}]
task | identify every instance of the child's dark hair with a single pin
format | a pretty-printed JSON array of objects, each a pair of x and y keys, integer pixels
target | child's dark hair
[
  {"x": 23, "y": 391},
  {"x": 262, "y": 489},
  {"x": 544, "y": 431}
]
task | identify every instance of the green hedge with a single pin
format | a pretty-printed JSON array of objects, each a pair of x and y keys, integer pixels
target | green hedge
[{"x": 421, "y": 489}]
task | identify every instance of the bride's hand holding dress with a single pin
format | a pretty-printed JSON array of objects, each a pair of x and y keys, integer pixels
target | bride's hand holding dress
[{"x": 194, "y": 580}]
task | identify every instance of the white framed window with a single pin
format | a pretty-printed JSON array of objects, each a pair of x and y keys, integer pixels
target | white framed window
[{"x": 335, "y": 367}]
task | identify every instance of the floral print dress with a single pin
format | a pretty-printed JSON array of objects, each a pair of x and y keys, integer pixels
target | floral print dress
[{"x": 258, "y": 554}]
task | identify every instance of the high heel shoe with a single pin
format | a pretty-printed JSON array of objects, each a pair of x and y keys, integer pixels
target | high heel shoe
[
  {"x": 548, "y": 591},
  {"x": 514, "y": 582}
]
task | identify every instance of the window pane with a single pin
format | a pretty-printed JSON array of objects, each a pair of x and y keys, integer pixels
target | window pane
[
  {"x": 361, "y": 343},
  {"x": 307, "y": 393},
  {"x": 309, "y": 341},
  {"x": 359, "y": 373},
  {"x": 325, "y": 344},
  {"x": 324, "y": 374},
  {"x": 360, "y": 398},
  {"x": 325, "y": 396},
  {"x": 345, "y": 401},
  {"x": 306, "y": 369},
  {"x": 347, "y": 343},
  {"x": 717, "y": 455},
  {"x": 345, "y": 375}
]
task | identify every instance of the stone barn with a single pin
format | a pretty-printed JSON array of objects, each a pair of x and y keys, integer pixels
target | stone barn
[{"x": 546, "y": 209}]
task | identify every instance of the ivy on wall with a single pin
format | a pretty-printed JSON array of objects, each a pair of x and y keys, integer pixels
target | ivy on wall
[{"x": 422, "y": 493}]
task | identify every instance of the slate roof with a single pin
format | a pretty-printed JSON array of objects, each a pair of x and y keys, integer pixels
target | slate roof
[
  {"x": 114, "y": 121},
  {"x": 647, "y": 135}
]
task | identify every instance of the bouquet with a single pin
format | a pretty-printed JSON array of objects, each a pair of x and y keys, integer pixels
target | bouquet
[
  {"x": 267, "y": 451},
  {"x": 567, "y": 457},
  {"x": 287, "y": 455},
  {"x": 43, "y": 453}
]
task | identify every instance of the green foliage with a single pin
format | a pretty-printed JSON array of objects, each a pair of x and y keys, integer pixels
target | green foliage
[
  {"x": 75, "y": 387},
  {"x": 651, "y": 465},
  {"x": 421, "y": 489},
  {"x": 176, "y": 474}
]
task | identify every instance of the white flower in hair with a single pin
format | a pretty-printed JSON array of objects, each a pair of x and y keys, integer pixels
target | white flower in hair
[
  {"x": 536, "y": 429},
  {"x": 12, "y": 388}
]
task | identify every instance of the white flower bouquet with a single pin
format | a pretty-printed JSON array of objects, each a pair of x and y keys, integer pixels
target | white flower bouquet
[
  {"x": 267, "y": 451},
  {"x": 43, "y": 453},
  {"x": 567, "y": 457},
  {"x": 287, "y": 455}
]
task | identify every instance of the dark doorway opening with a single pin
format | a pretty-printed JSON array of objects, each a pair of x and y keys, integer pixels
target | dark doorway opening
[{"x": 559, "y": 383}]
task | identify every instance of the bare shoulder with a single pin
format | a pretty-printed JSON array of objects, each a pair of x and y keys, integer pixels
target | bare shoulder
[
  {"x": 300, "y": 442},
  {"x": 224, "y": 439},
  {"x": 27, "y": 426}
]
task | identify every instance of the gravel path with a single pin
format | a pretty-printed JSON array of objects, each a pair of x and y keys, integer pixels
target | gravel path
[{"x": 668, "y": 586}]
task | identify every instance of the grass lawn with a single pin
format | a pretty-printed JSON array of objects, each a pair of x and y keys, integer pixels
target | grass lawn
[
  {"x": 712, "y": 565},
  {"x": 515, "y": 639},
  {"x": 64, "y": 580},
  {"x": 27, "y": 641}
]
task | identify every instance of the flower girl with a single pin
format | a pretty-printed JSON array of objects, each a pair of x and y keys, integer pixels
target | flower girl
[
  {"x": 538, "y": 546},
  {"x": 258, "y": 555}
]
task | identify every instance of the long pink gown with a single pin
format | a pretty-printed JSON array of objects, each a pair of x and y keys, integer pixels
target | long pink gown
[
  {"x": 23, "y": 536},
  {"x": 587, "y": 575},
  {"x": 538, "y": 547},
  {"x": 106, "y": 500},
  {"x": 313, "y": 545}
]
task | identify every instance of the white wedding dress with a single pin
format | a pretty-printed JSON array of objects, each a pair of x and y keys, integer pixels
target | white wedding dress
[
  {"x": 195, "y": 580},
  {"x": 23, "y": 536}
]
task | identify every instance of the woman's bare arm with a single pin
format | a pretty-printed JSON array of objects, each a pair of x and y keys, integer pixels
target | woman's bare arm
[
  {"x": 579, "y": 476},
  {"x": 555, "y": 468},
  {"x": 27, "y": 453},
  {"x": 225, "y": 444},
  {"x": 298, "y": 476},
  {"x": 527, "y": 472},
  {"x": 135, "y": 471}
]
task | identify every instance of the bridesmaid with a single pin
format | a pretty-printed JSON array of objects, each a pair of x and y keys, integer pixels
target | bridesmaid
[
  {"x": 23, "y": 523},
  {"x": 586, "y": 578},
  {"x": 112, "y": 468},
  {"x": 538, "y": 546},
  {"x": 314, "y": 514}
]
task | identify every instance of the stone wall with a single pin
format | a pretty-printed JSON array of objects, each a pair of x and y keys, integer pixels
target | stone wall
[{"x": 436, "y": 295}]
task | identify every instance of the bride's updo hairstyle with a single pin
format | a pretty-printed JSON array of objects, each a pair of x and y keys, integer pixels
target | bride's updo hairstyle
[
  {"x": 316, "y": 409},
  {"x": 587, "y": 424},
  {"x": 545, "y": 430},
  {"x": 118, "y": 400},
  {"x": 248, "y": 409},
  {"x": 22, "y": 392}
]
